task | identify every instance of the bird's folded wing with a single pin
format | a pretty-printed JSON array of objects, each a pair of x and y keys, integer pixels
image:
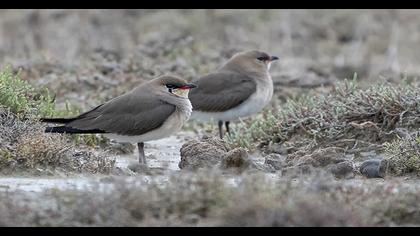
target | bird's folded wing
[
  {"x": 126, "y": 115},
  {"x": 221, "y": 91}
]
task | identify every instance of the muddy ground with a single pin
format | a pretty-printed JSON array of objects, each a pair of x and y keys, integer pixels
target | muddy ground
[{"x": 85, "y": 57}]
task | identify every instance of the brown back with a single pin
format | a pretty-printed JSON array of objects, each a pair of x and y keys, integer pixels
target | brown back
[
  {"x": 221, "y": 91},
  {"x": 129, "y": 114}
]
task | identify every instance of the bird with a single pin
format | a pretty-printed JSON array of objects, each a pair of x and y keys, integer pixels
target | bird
[
  {"x": 241, "y": 87},
  {"x": 153, "y": 110}
]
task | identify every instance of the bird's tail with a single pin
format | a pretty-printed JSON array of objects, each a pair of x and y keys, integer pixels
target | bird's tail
[
  {"x": 70, "y": 130},
  {"x": 57, "y": 120}
]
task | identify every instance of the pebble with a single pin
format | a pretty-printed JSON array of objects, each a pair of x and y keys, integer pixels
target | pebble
[{"x": 371, "y": 168}]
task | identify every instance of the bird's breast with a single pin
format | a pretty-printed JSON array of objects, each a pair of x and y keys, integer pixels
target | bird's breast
[
  {"x": 184, "y": 110},
  {"x": 264, "y": 91}
]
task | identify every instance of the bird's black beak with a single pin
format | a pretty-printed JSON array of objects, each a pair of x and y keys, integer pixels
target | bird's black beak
[{"x": 273, "y": 58}]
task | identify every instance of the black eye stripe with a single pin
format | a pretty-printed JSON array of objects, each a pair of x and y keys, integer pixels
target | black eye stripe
[
  {"x": 263, "y": 58},
  {"x": 171, "y": 86}
]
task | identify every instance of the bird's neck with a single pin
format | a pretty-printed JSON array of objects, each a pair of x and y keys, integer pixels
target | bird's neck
[{"x": 182, "y": 105}]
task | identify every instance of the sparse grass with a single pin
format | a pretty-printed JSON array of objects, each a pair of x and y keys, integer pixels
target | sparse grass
[
  {"x": 403, "y": 155},
  {"x": 208, "y": 198},
  {"x": 345, "y": 118},
  {"x": 24, "y": 146}
]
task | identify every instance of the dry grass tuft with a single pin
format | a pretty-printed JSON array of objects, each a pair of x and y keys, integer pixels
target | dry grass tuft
[
  {"x": 350, "y": 119},
  {"x": 25, "y": 146},
  {"x": 403, "y": 155}
]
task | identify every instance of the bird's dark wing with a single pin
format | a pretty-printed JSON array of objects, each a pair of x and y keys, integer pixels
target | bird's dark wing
[
  {"x": 221, "y": 91},
  {"x": 130, "y": 114}
]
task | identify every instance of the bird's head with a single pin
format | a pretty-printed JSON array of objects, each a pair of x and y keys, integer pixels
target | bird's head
[
  {"x": 253, "y": 61},
  {"x": 174, "y": 86}
]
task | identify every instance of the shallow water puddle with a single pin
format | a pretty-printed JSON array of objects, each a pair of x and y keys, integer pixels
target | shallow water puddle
[{"x": 163, "y": 153}]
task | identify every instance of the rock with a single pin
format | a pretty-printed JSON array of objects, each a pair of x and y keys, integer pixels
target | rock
[
  {"x": 373, "y": 168},
  {"x": 239, "y": 160},
  {"x": 212, "y": 152},
  {"x": 205, "y": 153},
  {"x": 343, "y": 169},
  {"x": 275, "y": 161}
]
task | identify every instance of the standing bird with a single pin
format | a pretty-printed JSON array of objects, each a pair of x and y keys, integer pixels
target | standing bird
[
  {"x": 240, "y": 88},
  {"x": 153, "y": 110}
]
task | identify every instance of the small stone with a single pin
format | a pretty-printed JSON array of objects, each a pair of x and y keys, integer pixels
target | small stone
[
  {"x": 343, "y": 169},
  {"x": 372, "y": 169}
]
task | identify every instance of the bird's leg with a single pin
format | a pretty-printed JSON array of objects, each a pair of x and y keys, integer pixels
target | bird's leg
[
  {"x": 142, "y": 157},
  {"x": 227, "y": 127},
  {"x": 221, "y": 129}
]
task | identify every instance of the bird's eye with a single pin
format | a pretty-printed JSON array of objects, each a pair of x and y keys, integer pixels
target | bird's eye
[
  {"x": 261, "y": 58},
  {"x": 170, "y": 87}
]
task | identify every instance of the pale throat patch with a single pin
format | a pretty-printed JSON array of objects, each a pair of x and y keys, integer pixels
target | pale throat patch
[{"x": 181, "y": 92}]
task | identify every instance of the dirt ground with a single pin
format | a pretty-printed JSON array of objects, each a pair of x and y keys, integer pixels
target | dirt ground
[{"x": 85, "y": 57}]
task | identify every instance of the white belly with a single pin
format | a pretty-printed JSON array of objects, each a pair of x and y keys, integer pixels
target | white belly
[
  {"x": 254, "y": 104},
  {"x": 171, "y": 126}
]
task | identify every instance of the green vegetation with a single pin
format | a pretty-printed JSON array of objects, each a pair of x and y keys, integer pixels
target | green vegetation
[{"x": 25, "y": 100}]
